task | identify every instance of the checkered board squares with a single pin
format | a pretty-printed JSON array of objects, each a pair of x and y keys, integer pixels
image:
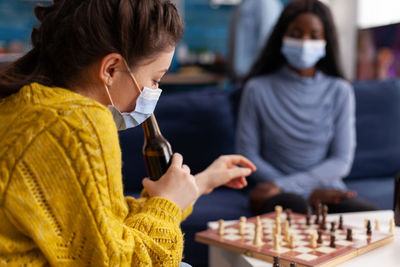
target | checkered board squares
[{"x": 302, "y": 254}]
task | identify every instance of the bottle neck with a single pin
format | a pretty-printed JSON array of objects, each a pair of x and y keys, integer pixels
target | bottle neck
[{"x": 150, "y": 127}]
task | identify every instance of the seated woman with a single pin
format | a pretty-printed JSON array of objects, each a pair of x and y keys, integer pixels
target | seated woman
[
  {"x": 61, "y": 194},
  {"x": 296, "y": 117}
]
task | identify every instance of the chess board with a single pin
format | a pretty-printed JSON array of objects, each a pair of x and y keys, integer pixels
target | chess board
[{"x": 305, "y": 256}]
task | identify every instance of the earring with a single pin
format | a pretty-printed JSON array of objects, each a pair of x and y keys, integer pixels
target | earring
[{"x": 109, "y": 81}]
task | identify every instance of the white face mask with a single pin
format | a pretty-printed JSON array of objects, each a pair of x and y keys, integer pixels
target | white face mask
[
  {"x": 145, "y": 105},
  {"x": 303, "y": 54}
]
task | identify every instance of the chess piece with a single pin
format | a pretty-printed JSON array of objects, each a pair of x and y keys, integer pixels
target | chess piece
[
  {"x": 287, "y": 235},
  {"x": 242, "y": 226},
  {"x": 333, "y": 227},
  {"x": 308, "y": 217},
  {"x": 319, "y": 240},
  {"x": 324, "y": 214},
  {"x": 292, "y": 241},
  {"x": 221, "y": 227},
  {"x": 277, "y": 243},
  {"x": 289, "y": 216},
  {"x": 377, "y": 227},
  {"x": 369, "y": 230},
  {"x": 292, "y": 264},
  {"x": 333, "y": 244},
  {"x": 349, "y": 236},
  {"x": 276, "y": 262},
  {"x": 257, "y": 241},
  {"x": 286, "y": 227},
  {"x": 317, "y": 213},
  {"x": 313, "y": 241},
  {"x": 278, "y": 211},
  {"x": 391, "y": 226},
  {"x": 365, "y": 223},
  {"x": 340, "y": 222}
]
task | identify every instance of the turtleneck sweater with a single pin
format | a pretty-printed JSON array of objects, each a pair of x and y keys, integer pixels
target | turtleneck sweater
[{"x": 299, "y": 131}]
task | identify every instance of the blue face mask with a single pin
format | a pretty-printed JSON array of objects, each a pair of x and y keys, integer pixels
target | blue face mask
[
  {"x": 303, "y": 54},
  {"x": 145, "y": 105}
]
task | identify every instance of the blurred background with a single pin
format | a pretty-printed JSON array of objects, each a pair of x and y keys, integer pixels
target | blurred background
[{"x": 369, "y": 33}]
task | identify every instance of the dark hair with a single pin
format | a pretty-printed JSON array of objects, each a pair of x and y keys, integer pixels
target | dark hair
[
  {"x": 75, "y": 33},
  {"x": 271, "y": 59}
]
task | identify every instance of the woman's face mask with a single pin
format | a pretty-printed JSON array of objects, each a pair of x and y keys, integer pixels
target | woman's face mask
[
  {"x": 145, "y": 105},
  {"x": 303, "y": 54}
]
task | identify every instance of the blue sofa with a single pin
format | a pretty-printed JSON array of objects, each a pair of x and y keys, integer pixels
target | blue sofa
[{"x": 201, "y": 126}]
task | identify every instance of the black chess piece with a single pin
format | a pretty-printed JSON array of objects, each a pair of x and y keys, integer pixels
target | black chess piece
[
  {"x": 289, "y": 216},
  {"x": 308, "y": 217},
  {"x": 340, "y": 222},
  {"x": 333, "y": 239},
  {"x": 333, "y": 227},
  {"x": 319, "y": 240},
  {"x": 369, "y": 230},
  {"x": 318, "y": 213},
  {"x": 292, "y": 264},
  {"x": 349, "y": 236},
  {"x": 276, "y": 262}
]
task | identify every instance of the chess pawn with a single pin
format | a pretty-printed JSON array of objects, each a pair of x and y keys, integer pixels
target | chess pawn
[
  {"x": 333, "y": 227},
  {"x": 313, "y": 241},
  {"x": 349, "y": 236},
  {"x": 377, "y": 227},
  {"x": 276, "y": 262},
  {"x": 221, "y": 227},
  {"x": 391, "y": 226},
  {"x": 292, "y": 242},
  {"x": 340, "y": 223},
  {"x": 333, "y": 239},
  {"x": 242, "y": 227}
]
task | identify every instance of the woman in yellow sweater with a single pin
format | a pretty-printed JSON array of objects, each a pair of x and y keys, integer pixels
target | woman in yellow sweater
[{"x": 61, "y": 197}]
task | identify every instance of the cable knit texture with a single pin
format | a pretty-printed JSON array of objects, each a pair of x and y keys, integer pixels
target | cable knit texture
[{"x": 61, "y": 195}]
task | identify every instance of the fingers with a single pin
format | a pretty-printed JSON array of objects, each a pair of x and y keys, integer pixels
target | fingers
[
  {"x": 147, "y": 183},
  {"x": 238, "y": 172},
  {"x": 177, "y": 160},
  {"x": 237, "y": 183},
  {"x": 238, "y": 159},
  {"x": 186, "y": 168}
]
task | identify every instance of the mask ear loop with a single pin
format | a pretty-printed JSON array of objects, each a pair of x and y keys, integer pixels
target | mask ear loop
[
  {"x": 108, "y": 93},
  {"x": 133, "y": 77}
]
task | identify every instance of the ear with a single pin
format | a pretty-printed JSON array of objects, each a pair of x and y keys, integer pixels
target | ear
[{"x": 107, "y": 67}]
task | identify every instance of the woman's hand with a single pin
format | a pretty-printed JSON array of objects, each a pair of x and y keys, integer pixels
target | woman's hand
[
  {"x": 225, "y": 171},
  {"x": 260, "y": 194},
  {"x": 177, "y": 184},
  {"x": 329, "y": 196}
]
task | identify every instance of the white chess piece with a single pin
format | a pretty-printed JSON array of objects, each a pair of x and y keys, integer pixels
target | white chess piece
[
  {"x": 242, "y": 226},
  {"x": 391, "y": 226},
  {"x": 277, "y": 243},
  {"x": 313, "y": 240},
  {"x": 377, "y": 227},
  {"x": 292, "y": 241},
  {"x": 221, "y": 229}
]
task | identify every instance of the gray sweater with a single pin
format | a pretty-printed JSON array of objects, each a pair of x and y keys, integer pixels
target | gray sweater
[{"x": 299, "y": 132}]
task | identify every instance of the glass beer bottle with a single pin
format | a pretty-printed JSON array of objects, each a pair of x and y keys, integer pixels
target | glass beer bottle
[{"x": 157, "y": 151}]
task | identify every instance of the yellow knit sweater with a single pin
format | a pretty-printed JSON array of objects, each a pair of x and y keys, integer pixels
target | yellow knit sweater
[{"x": 61, "y": 195}]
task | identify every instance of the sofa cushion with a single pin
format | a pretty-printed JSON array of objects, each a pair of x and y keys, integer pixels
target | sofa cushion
[
  {"x": 378, "y": 190},
  {"x": 378, "y": 129},
  {"x": 198, "y": 124}
]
